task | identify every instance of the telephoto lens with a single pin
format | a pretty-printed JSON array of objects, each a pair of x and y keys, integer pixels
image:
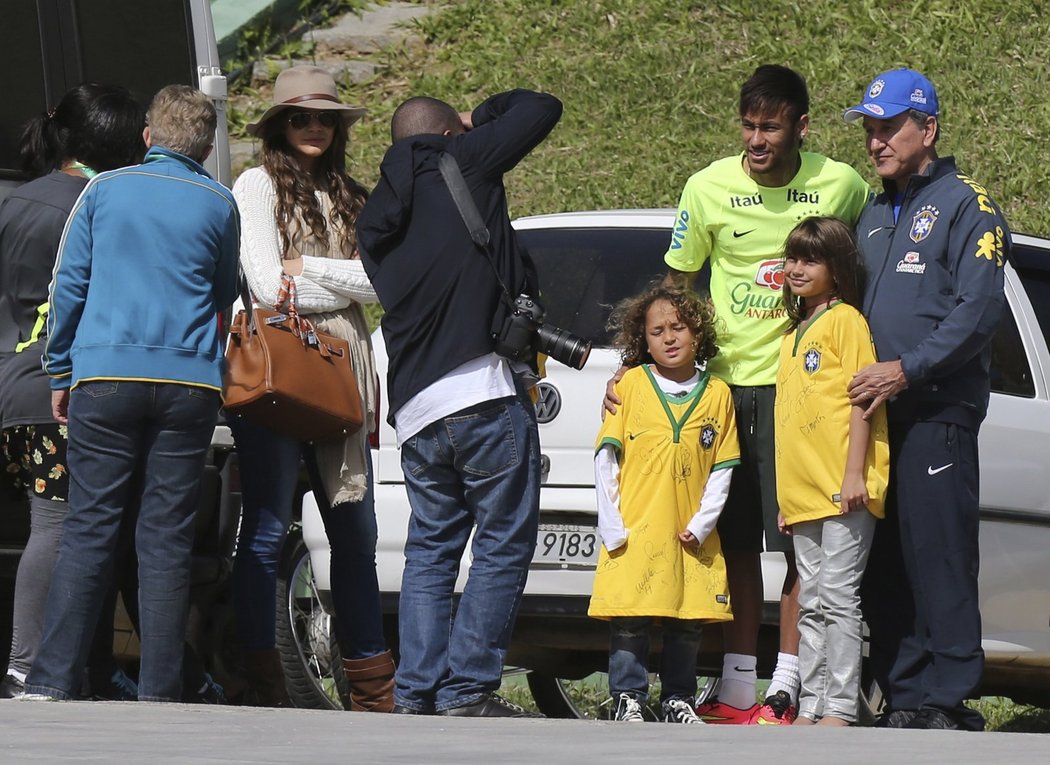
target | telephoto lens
[{"x": 561, "y": 345}]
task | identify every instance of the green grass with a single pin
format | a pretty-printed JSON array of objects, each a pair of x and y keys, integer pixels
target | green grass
[{"x": 650, "y": 87}]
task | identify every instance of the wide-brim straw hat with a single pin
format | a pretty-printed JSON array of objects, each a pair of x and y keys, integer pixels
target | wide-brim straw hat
[{"x": 306, "y": 87}]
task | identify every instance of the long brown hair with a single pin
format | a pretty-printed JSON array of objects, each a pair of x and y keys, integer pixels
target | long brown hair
[
  {"x": 628, "y": 322},
  {"x": 829, "y": 241},
  {"x": 295, "y": 189}
]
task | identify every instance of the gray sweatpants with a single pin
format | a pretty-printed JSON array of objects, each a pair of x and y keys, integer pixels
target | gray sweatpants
[{"x": 831, "y": 554}]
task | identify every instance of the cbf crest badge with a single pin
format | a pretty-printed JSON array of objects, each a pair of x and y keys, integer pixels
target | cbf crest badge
[
  {"x": 707, "y": 436},
  {"x": 811, "y": 361},
  {"x": 922, "y": 223}
]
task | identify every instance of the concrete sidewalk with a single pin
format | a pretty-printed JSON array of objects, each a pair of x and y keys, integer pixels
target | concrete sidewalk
[{"x": 168, "y": 733}]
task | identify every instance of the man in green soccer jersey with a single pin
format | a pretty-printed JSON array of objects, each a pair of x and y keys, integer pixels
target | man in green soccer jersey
[{"x": 736, "y": 214}]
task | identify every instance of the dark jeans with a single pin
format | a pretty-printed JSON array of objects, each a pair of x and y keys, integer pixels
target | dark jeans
[
  {"x": 477, "y": 469},
  {"x": 269, "y": 473},
  {"x": 919, "y": 594},
  {"x": 629, "y": 657},
  {"x": 120, "y": 434}
]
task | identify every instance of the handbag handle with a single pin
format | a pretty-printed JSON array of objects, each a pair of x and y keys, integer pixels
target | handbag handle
[{"x": 301, "y": 328}]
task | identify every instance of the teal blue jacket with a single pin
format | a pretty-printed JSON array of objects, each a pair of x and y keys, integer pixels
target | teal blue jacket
[{"x": 147, "y": 261}]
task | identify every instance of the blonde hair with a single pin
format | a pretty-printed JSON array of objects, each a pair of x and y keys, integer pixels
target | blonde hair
[{"x": 182, "y": 119}]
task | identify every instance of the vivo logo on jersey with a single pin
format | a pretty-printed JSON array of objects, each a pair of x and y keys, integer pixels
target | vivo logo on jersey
[{"x": 681, "y": 226}]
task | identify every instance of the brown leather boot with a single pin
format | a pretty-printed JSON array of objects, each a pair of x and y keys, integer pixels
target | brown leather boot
[
  {"x": 266, "y": 678},
  {"x": 371, "y": 683}
]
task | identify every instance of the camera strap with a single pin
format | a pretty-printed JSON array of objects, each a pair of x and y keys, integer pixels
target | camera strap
[{"x": 468, "y": 210}]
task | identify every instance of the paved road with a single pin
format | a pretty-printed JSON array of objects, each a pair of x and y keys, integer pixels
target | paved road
[{"x": 163, "y": 733}]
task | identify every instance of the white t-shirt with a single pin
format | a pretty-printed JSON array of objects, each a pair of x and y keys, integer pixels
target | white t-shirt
[{"x": 482, "y": 379}]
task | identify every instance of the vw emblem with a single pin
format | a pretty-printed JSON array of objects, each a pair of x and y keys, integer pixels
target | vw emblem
[{"x": 549, "y": 405}]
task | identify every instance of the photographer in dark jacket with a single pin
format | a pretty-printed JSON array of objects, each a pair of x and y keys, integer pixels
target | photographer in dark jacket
[{"x": 464, "y": 420}]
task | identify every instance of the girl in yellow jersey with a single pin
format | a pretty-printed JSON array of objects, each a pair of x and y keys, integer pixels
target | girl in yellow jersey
[
  {"x": 662, "y": 469},
  {"x": 832, "y": 465}
]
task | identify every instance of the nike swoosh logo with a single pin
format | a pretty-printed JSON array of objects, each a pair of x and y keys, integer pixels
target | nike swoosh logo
[
  {"x": 931, "y": 470},
  {"x": 632, "y": 436},
  {"x": 763, "y": 721},
  {"x": 875, "y": 231},
  {"x": 738, "y": 234}
]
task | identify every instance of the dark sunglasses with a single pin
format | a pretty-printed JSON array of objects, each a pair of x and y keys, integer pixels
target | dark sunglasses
[{"x": 300, "y": 120}]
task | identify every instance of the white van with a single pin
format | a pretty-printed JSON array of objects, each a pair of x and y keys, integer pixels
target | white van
[{"x": 49, "y": 46}]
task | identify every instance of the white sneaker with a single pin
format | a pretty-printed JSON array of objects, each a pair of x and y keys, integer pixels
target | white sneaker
[
  {"x": 628, "y": 709},
  {"x": 680, "y": 711},
  {"x": 34, "y": 697}
]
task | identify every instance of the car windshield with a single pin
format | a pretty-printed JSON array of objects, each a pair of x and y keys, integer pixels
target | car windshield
[{"x": 584, "y": 272}]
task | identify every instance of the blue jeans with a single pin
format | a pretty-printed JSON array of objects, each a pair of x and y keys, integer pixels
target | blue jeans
[
  {"x": 478, "y": 467},
  {"x": 629, "y": 657},
  {"x": 127, "y": 438},
  {"x": 269, "y": 474}
]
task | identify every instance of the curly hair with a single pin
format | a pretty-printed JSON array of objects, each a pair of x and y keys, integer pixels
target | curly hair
[
  {"x": 295, "y": 190},
  {"x": 628, "y": 322},
  {"x": 829, "y": 241}
]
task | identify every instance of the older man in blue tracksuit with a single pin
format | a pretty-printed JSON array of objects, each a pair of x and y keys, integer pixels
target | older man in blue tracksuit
[
  {"x": 147, "y": 260},
  {"x": 934, "y": 245}
]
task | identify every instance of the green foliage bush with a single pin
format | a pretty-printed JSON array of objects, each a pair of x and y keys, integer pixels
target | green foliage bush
[{"x": 650, "y": 87}]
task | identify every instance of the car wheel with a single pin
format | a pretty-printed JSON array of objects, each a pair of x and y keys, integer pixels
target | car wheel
[
  {"x": 585, "y": 699},
  {"x": 313, "y": 666}
]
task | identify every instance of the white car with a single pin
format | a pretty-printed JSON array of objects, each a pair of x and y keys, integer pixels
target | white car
[{"x": 588, "y": 262}]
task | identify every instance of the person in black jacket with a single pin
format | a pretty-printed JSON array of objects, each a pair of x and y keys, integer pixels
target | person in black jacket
[
  {"x": 464, "y": 421},
  {"x": 934, "y": 245}
]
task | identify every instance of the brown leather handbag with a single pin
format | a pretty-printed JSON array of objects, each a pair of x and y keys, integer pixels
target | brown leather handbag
[{"x": 285, "y": 375}]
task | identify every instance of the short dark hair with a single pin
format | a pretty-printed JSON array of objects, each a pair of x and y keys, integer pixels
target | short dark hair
[
  {"x": 920, "y": 119},
  {"x": 423, "y": 115},
  {"x": 772, "y": 87},
  {"x": 98, "y": 125}
]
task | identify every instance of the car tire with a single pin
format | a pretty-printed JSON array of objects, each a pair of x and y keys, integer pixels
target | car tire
[
  {"x": 553, "y": 698},
  {"x": 313, "y": 665}
]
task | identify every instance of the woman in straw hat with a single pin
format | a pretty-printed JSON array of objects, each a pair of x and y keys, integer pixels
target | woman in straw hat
[{"x": 297, "y": 216}]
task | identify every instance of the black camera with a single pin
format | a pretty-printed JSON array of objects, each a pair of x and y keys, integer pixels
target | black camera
[{"x": 524, "y": 332}]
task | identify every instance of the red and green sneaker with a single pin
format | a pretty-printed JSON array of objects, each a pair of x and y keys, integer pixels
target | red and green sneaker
[
  {"x": 714, "y": 712},
  {"x": 776, "y": 710}
]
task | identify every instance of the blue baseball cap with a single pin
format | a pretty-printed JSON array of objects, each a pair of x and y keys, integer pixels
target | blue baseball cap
[{"x": 894, "y": 92}]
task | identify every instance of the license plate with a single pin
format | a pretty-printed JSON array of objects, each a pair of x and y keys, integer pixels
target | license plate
[{"x": 566, "y": 545}]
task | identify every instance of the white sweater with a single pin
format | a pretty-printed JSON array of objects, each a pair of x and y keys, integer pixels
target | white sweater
[{"x": 326, "y": 284}]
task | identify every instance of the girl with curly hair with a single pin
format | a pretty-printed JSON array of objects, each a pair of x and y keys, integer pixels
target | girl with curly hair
[
  {"x": 297, "y": 215},
  {"x": 662, "y": 472}
]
